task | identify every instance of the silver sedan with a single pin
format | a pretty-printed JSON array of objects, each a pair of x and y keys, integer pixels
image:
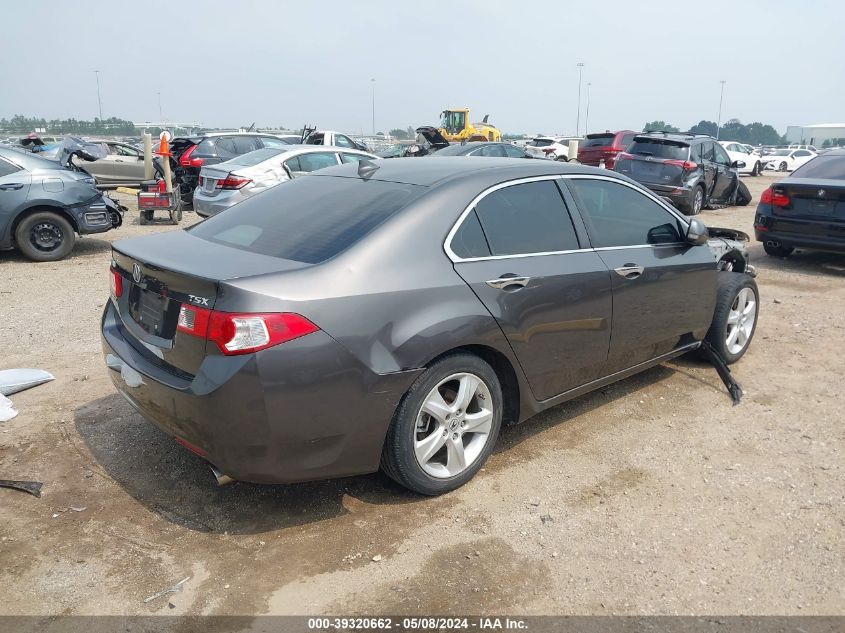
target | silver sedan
[{"x": 225, "y": 184}]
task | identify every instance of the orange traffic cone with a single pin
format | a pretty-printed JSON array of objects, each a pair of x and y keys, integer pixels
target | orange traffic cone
[{"x": 163, "y": 149}]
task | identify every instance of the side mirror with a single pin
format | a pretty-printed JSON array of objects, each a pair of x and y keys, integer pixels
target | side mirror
[
  {"x": 738, "y": 164},
  {"x": 697, "y": 233}
]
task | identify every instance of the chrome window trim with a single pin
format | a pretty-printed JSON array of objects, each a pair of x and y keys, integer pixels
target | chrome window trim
[{"x": 447, "y": 244}]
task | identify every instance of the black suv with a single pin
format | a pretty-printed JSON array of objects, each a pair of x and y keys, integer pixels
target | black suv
[
  {"x": 191, "y": 153},
  {"x": 693, "y": 171}
]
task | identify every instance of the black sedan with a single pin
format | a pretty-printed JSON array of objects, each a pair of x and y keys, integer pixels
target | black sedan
[
  {"x": 394, "y": 314},
  {"x": 483, "y": 148},
  {"x": 805, "y": 209}
]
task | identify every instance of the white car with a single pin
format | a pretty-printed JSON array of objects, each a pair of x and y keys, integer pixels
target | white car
[
  {"x": 552, "y": 147},
  {"x": 225, "y": 184},
  {"x": 789, "y": 159},
  {"x": 737, "y": 151},
  {"x": 336, "y": 139},
  {"x": 812, "y": 148}
]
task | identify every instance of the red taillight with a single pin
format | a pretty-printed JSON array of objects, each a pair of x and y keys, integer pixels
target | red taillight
[
  {"x": 233, "y": 182},
  {"x": 243, "y": 333},
  {"x": 185, "y": 159},
  {"x": 116, "y": 283},
  {"x": 774, "y": 198},
  {"x": 686, "y": 165}
]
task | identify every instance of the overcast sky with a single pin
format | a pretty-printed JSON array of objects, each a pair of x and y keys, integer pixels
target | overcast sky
[{"x": 229, "y": 63}]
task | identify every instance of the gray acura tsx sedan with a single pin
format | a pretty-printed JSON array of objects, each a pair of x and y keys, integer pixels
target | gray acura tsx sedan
[{"x": 395, "y": 314}]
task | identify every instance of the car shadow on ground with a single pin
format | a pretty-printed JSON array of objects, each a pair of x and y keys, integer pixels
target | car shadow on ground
[
  {"x": 808, "y": 262},
  {"x": 179, "y": 486},
  {"x": 84, "y": 246}
]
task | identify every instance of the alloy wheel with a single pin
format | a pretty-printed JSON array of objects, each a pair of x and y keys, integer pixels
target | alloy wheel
[
  {"x": 741, "y": 319},
  {"x": 698, "y": 201},
  {"x": 453, "y": 425}
]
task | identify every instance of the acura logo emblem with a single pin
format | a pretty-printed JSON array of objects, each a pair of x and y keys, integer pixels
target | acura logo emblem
[
  {"x": 136, "y": 273},
  {"x": 821, "y": 193}
]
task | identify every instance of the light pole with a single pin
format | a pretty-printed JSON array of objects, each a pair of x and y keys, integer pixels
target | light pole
[
  {"x": 721, "y": 96},
  {"x": 578, "y": 119},
  {"x": 99, "y": 100},
  {"x": 373, "y": 84},
  {"x": 587, "y": 116},
  {"x": 160, "y": 117}
]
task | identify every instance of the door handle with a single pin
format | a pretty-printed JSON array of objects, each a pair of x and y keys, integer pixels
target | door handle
[
  {"x": 508, "y": 280},
  {"x": 630, "y": 271},
  {"x": 12, "y": 186}
]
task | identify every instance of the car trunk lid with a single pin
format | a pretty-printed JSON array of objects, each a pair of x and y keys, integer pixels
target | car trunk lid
[
  {"x": 160, "y": 274},
  {"x": 811, "y": 198}
]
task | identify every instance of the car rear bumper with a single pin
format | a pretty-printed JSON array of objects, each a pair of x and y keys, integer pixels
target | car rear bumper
[
  {"x": 820, "y": 234},
  {"x": 206, "y": 206},
  {"x": 300, "y": 411},
  {"x": 801, "y": 240}
]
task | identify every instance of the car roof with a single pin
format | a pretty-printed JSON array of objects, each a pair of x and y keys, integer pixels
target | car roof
[{"x": 437, "y": 170}]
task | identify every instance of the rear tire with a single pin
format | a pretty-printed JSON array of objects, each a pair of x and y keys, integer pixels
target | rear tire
[
  {"x": 755, "y": 171},
  {"x": 433, "y": 454},
  {"x": 45, "y": 236},
  {"x": 778, "y": 251},
  {"x": 735, "y": 318},
  {"x": 743, "y": 195},
  {"x": 697, "y": 203}
]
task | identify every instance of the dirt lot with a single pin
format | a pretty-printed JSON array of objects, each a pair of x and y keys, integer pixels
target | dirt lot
[{"x": 651, "y": 496}]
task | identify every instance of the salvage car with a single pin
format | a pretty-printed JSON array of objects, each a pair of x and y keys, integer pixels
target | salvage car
[
  {"x": 740, "y": 153},
  {"x": 230, "y": 182},
  {"x": 43, "y": 205},
  {"x": 122, "y": 166},
  {"x": 551, "y": 147},
  {"x": 805, "y": 209},
  {"x": 789, "y": 159},
  {"x": 335, "y": 139},
  {"x": 191, "y": 153},
  {"x": 693, "y": 171},
  {"x": 484, "y": 148},
  {"x": 398, "y": 313},
  {"x": 604, "y": 147}
]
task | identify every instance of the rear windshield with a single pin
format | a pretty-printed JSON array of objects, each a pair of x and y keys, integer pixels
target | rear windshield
[
  {"x": 258, "y": 156},
  {"x": 598, "y": 140},
  {"x": 659, "y": 148},
  {"x": 541, "y": 142},
  {"x": 310, "y": 219},
  {"x": 829, "y": 167}
]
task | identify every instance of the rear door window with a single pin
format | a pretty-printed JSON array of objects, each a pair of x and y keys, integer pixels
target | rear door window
[
  {"x": 707, "y": 151},
  {"x": 317, "y": 160},
  {"x": 526, "y": 218},
  {"x": 244, "y": 144},
  {"x": 7, "y": 168},
  {"x": 274, "y": 143},
  {"x": 223, "y": 147},
  {"x": 618, "y": 215},
  {"x": 309, "y": 219},
  {"x": 721, "y": 155},
  {"x": 469, "y": 240}
]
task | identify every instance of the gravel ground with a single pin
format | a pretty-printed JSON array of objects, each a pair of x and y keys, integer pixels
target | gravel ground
[{"x": 652, "y": 496}]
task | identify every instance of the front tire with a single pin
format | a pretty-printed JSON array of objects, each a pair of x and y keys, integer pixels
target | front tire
[
  {"x": 743, "y": 195},
  {"x": 445, "y": 427},
  {"x": 562, "y": 159},
  {"x": 755, "y": 171},
  {"x": 782, "y": 166},
  {"x": 45, "y": 236},
  {"x": 735, "y": 318}
]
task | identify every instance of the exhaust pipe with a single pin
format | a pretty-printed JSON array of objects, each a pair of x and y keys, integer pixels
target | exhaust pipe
[
  {"x": 221, "y": 478},
  {"x": 772, "y": 243}
]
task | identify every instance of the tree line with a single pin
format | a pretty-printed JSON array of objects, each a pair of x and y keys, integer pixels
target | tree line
[
  {"x": 733, "y": 130},
  {"x": 20, "y": 124}
]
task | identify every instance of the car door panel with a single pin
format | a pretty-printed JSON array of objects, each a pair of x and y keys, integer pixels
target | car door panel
[
  {"x": 14, "y": 190},
  {"x": 726, "y": 177},
  {"x": 558, "y": 323},
  {"x": 551, "y": 297},
  {"x": 665, "y": 306},
  {"x": 664, "y": 289}
]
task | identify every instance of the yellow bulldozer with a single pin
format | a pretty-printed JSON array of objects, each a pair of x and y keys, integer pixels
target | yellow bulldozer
[{"x": 455, "y": 127}]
